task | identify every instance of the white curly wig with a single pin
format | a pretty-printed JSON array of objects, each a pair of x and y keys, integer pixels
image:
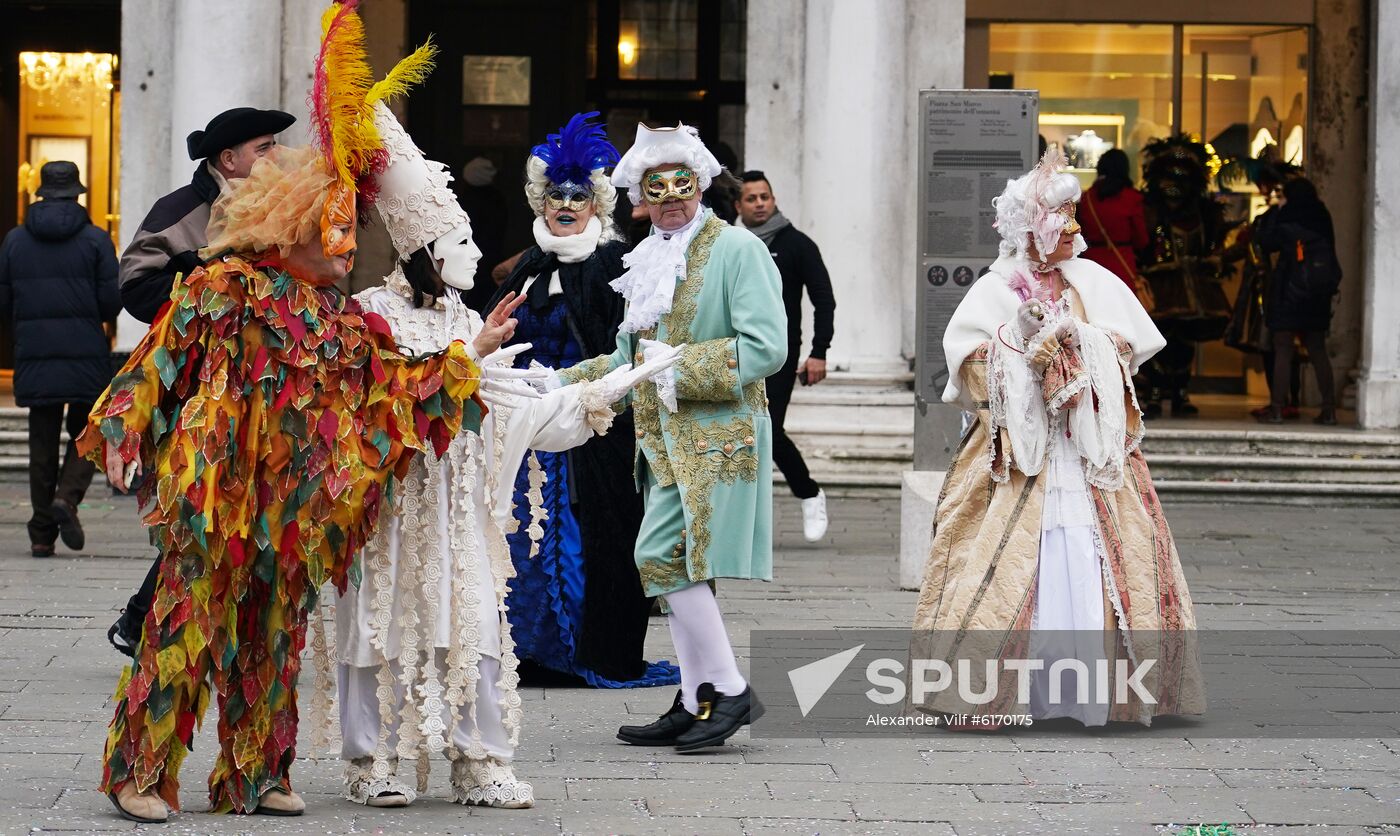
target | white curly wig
[
  {"x": 604, "y": 195},
  {"x": 1029, "y": 207}
]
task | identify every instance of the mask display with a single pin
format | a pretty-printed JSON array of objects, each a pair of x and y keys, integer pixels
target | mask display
[
  {"x": 568, "y": 196},
  {"x": 677, "y": 183},
  {"x": 457, "y": 257}
]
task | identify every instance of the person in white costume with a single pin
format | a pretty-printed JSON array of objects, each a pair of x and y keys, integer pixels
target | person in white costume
[{"x": 423, "y": 645}]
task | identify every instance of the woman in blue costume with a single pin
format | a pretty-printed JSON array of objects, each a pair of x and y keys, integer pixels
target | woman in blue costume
[{"x": 576, "y": 605}]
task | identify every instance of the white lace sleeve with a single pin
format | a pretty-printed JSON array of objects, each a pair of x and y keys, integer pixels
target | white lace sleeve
[
  {"x": 1016, "y": 402},
  {"x": 1099, "y": 425}
]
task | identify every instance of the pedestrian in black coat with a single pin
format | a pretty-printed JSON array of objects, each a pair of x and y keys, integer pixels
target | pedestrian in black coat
[
  {"x": 58, "y": 283},
  {"x": 1298, "y": 302},
  {"x": 799, "y": 262}
]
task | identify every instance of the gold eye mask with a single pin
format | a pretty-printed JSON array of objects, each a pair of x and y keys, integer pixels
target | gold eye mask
[
  {"x": 669, "y": 184},
  {"x": 1071, "y": 221}
]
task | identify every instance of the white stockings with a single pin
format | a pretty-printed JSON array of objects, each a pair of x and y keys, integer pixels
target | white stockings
[{"x": 702, "y": 645}]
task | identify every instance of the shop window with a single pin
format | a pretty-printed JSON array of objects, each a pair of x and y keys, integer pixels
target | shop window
[
  {"x": 1101, "y": 86},
  {"x": 657, "y": 39}
]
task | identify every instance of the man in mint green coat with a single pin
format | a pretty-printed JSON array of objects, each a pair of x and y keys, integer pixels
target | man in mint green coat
[{"x": 709, "y": 292}]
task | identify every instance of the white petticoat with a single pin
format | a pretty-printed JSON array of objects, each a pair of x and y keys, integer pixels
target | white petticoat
[{"x": 1069, "y": 612}]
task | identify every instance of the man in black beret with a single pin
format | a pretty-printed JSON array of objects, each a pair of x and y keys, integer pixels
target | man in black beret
[
  {"x": 167, "y": 246},
  {"x": 171, "y": 235}
]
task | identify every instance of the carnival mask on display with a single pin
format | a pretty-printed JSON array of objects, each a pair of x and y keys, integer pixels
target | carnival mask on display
[
  {"x": 457, "y": 256},
  {"x": 677, "y": 183},
  {"x": 338, "y": 223},
  {"x": 568, "y": 196}
]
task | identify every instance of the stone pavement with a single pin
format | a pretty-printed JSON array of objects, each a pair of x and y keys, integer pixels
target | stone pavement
[{"x": 1249, "y": 567}]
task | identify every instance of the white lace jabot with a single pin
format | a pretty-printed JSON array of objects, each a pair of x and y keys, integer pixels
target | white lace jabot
[{"x": 653, "y": 269}]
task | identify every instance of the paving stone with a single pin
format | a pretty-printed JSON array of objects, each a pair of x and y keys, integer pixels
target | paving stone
[{"x": 1248, "y": 567}]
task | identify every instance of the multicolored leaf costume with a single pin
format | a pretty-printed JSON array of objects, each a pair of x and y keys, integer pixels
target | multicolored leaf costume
[{"x": 271, "y": 417}]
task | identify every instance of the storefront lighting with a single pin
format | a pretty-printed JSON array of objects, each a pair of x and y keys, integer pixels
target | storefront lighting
[
  {"x": 627, "y": 49},
  {"x": 66, "y": 75}
]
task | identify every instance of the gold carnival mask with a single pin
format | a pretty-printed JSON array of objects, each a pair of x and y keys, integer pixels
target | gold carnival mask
[
  {"x": 338, "y": 222},
  {"x": 677, "y": 183},
  {"x": 568, "y": 196},
  {"x": 1071, "y": 226}
]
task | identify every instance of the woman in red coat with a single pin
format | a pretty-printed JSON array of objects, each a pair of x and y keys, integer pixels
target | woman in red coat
[{"x": 1112, "y": 218}]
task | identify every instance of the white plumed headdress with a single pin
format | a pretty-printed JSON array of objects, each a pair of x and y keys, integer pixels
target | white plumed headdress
[{"x": 415, "y": 201}]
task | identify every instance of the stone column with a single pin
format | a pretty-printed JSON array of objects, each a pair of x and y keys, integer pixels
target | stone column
[
  {"x": 774, "y": 66},
  {"x": 301, "y": 39},
  {"x": 1337, "y": 152},
  {"x": 855, "y": 172},
  {"x": 225, "y": 55},
  {"x": 1378, "y": 390},
  {"x": 145, "y": 141}
]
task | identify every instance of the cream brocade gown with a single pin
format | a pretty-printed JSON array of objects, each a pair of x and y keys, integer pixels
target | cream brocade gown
[{"x": 1081, "y": 553}]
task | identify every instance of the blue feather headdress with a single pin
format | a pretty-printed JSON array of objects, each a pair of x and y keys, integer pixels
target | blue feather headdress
[{"x": 580, "y": 148}]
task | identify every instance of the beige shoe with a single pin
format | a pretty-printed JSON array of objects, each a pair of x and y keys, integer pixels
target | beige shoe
[
  {"x": 489, "y": 783},
  {"x": 280, "y": 803},
  {"x": 144, "y": 807},
  {"x": 364, "y": 786}
]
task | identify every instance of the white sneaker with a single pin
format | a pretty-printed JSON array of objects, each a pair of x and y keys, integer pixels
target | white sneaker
[{"x": 814, "y": 517}]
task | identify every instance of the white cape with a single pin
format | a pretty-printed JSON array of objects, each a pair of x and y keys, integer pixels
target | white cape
[{"x": 990, "y": 302}]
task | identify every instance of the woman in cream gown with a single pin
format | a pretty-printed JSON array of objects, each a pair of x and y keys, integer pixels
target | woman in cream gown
[{"x": 1049, "y": 541}]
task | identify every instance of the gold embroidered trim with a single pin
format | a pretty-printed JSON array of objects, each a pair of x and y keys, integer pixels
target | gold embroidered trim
[
  {"x": 756, "y": 396},
  {"x": 708, "y": 371},
  {"x": 707, "y": 454},
  {"x": 660, "y": 575},
  {"x": 686, "y": 302},
  {"x": 587, "y": 370}
]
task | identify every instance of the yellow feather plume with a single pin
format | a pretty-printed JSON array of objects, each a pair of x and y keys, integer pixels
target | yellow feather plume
[
  {"x": 413, "y": 69},
  {"x": 344, "y": 92}
]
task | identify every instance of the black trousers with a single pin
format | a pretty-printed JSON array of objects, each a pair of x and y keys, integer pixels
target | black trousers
[
  {"x": 48, "y": 478},
  {"x": 140, "y": 603},
  {"x": 1169, "y": 371},
  {"x": 1316, "y": 342},
  {"x": 785, "y": 453}
]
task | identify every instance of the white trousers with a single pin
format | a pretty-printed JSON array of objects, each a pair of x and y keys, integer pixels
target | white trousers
[
  {"x": 702, "y": 645},
  {"x": 359, "y": 710}
]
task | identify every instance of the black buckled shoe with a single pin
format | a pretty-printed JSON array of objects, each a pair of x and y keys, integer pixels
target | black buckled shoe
[
  {"x": 719, "y": 717},
  {"x": 666, "y": 731}
]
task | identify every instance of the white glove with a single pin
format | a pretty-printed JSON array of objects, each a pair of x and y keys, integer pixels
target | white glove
[
  {"x": 1031, "y": 317},
  {"x": 504, "y": 385},
  {"x": 618, "y": 382},
  {"x": 664, "y": 357}
]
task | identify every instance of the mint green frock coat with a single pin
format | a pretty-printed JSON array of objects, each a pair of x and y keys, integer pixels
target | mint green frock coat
[{"x": 707, "y": 469}]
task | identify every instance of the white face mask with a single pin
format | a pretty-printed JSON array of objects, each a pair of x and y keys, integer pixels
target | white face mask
[{"x": 457, "y": 256}]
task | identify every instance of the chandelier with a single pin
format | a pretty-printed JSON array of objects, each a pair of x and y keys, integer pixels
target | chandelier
[{"x": 66, "y": 77}]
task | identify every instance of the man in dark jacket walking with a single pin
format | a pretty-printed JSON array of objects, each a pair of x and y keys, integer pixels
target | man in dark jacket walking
[
  {"x": 170, "y": 237},
  {"x": 58, "y": 281},
  {"x": 800, "y": 263}
]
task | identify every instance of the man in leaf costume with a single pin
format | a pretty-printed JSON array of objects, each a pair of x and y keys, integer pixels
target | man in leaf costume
[{"x": 272, "y": 414}]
